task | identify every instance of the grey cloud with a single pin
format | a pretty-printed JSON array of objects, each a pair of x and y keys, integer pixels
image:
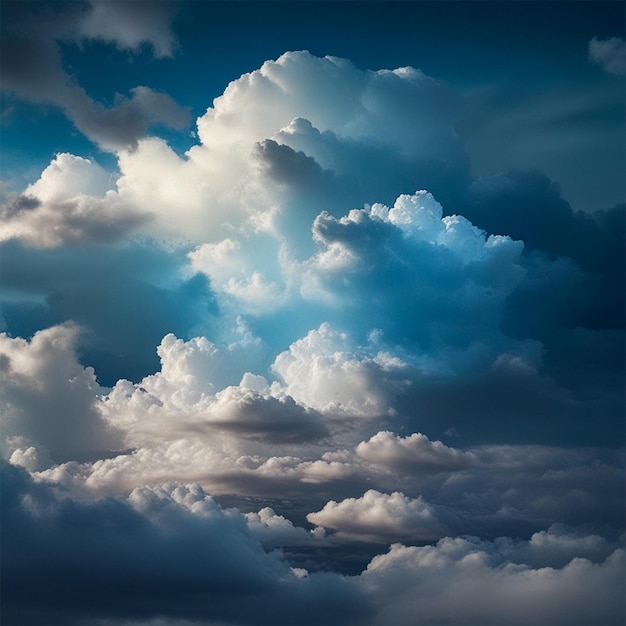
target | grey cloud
[
  {"x": 412, "y": 281},
  {"x": 32, "y": 66},
  {"x": 22, "y": 205},
  {"x": 466, "y": 581},
  {"x": 116, "y": 293},
  {"x": 609, "y": 54},
  {"x": 167, "y": 552},
  {"x": 124, "y": 124},
  {"x": 131, "y": 24},
  {"x": 79, "y": 221},
  {"x": 521, "y": 489},
  {"x": 277, "y": 421},
  {"x": 287, "y": 166}
]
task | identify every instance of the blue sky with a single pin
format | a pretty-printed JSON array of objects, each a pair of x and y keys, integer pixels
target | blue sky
[{"x": 312, "y": 312}]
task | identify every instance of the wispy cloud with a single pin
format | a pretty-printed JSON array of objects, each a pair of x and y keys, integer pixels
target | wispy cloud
[
  {"x": 33, "y": 67},
  {"x": 609, "y": 54}
]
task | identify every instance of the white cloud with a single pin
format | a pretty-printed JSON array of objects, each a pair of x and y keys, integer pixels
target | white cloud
[
  {"x": 72, "y": 202},
  {"x": 49, "y": 398},
  {"x": 324, "y": 371},
  {"x": 255, "y": 167},
  {"x": 273, "y": 531},
  {"x": 609, "y": 54},
  {"x": 380, "y": 517},
  {"x": 415, "y": 452},
  {"x": 68, "y": 176}
]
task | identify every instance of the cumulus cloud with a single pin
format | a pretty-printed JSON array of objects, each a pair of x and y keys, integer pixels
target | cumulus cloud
[
  {"x": 33, "y": 69},
  {"x": 466, "y": 581},
  {"x": 415, "y": 452},
  {"x": 378, "y": 517},
  {"x": 609, "y": 54},
  {"x": 48, "y": 397},
  {"x": 311, "y": 360},
  {"x": 126, "y": 295},
  {"x": 273, "y": 530},
  {"x": 158, "y": 543},
  {"x": 441, "y": 270},
  {"x": 322, "y": 371},
  {"x": 296, "y": 135},
  {"x": 186, "y": 558},
  {"x": 70, "y": 203}
]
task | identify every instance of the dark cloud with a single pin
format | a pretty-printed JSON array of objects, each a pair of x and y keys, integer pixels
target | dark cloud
[
  {"x": 609, "y": 54},
  {"x": 130, "y": 25},
  {"x": 171, "y": 553},
  {"x": 250, "y": 414},
  {"x": 32, "y": 65},
  {"x": 162, "y": 552},
  {"x": 78, "y": 220},
  {"x": 120, "y": 295},
  {"x": 528, "y": 206}
]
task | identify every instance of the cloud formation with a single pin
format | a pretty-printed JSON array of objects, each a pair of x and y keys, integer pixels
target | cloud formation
[
  {"x": 415, "y": 452},
  {"x": 468, "y": 581},
  {"x": 33, "y": 68},
  {"x": 609, "y": 54},
  {"x": 70, "y": 203},
  {"x": 306, "y": 368},
  {"x": 160, "y": 541},
  {"x": 48, "y": 397},
  {"x": 378, "y": 517}
]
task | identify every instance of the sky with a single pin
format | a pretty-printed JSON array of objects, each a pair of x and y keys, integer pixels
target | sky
[{"x": 312, "y": 313}]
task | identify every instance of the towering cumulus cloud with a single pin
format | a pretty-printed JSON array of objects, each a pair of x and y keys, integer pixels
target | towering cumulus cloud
[{"x": 281, "y": 379}]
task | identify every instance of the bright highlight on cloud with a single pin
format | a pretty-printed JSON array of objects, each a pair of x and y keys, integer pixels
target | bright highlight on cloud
[
  {"x": 348, "y": 402},
  {"x": 72, "y": 203}
]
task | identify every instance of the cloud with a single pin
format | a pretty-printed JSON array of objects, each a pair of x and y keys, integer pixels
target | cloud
[
  {"x": 33, "y": 67},
  {"x": 609, "y": 54},
  {"x": 322, "y": 371},
  {"x": 68, "y": 204},
  {"x": 311, "y": 360},
  {"x": 378, "y": 517},
  {"x": 171, "y": 552},
  {"x": 299, "y": 134},
  {"x": 421, "y": 267},
  {"x": 48, "y": 397},
  {"x": 274, "y": 531},
  {"x": 188, "y": 422},
  {"x": 153, "y": 548},
  {"x": 278, "y": 420},
  {"x": 126, "y": 295},
  {"x": 131, "y": 24},
  {"x": 415, "y": 452},
  {"x": 466, "y": 581}
]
